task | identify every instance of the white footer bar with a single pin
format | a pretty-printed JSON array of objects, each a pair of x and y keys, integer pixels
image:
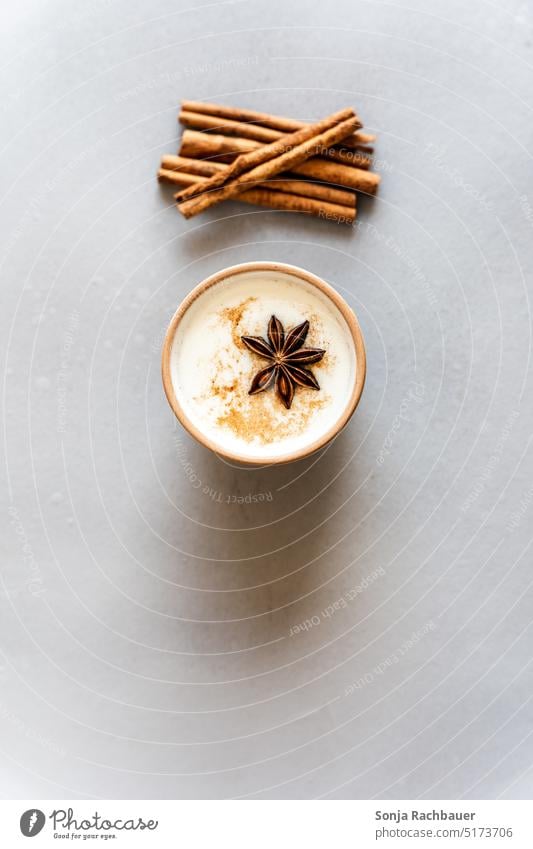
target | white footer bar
[{"x": 267, "y": 824}]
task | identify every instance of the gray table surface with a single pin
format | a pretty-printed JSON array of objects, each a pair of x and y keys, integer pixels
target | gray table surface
[{"x": 361, "y": 628}]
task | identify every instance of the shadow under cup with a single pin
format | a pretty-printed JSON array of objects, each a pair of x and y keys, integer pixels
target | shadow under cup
[{"x": 207, "y": 370}]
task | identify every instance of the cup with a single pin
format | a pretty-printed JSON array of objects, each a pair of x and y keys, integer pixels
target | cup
[{"x": 213, "y": 378}]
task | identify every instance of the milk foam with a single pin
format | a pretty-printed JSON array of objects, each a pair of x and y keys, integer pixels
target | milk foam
[{"x": 212, "y": 370}]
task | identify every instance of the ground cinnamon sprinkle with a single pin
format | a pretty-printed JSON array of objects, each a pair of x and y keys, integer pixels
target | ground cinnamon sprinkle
[
  {"x": 234, "y": 316},
  {"x": 259, "y": 417},
  {"x": 254, "y": 417},
  {"x": 222, "y": 391},
  {"x": 318, "y": 340}
]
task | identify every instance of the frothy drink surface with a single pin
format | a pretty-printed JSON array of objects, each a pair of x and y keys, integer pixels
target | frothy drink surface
[{"x": 212, "y": 369}]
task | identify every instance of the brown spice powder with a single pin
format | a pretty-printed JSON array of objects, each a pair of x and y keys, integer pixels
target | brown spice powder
[
  {"x": 234, "y": 316},
  {"x": 255, "y": 417},
  {"x": 258, "y": 417}
]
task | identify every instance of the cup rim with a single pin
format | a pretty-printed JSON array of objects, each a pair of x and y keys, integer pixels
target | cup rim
[{"x": 348, "y": 315}]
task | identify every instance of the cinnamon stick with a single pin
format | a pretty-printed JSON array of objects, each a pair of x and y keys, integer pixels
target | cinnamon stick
[
  {"x": 274, "y": 199},
  {"x": 205, "y": 145},
  {"x": 208, "y": 146},
  {"x": 194, "y": 166},
  {"x": 267, "y": 162},
  {"x": 173, "y": 166},
  {"x": 296, "y": 203},
  {"x": 366, "y": 182},
  {"x": 264, "y": 119},
  {"x": 200, "y": 121},
  {"x": 347, "y": 156}
]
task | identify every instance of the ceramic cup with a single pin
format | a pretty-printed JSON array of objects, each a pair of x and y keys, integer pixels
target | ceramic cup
[{"x": 206, "y": 330}]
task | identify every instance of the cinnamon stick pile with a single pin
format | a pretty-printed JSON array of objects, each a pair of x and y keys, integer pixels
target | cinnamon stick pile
[{"x": 270, "y": 161}]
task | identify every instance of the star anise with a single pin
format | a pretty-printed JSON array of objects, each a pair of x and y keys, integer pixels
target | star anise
[{"x": 286, "y": 359}]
